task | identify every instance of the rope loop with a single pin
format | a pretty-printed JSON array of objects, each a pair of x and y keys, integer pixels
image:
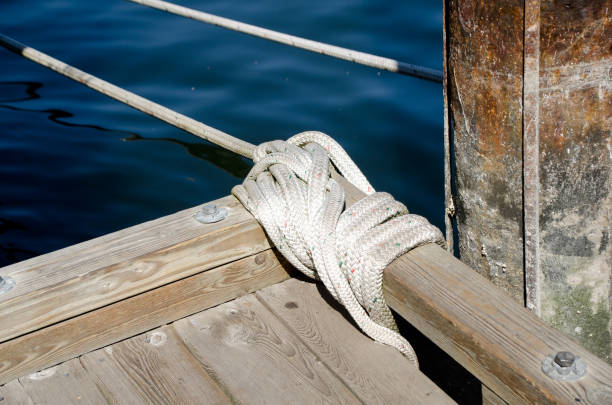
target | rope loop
[{"x": 291, "y": 193}]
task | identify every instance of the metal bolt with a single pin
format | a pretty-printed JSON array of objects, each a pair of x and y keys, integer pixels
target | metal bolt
[
  {"x": 211, "y": 213},
  {"x": 564, "y": 366},
  {"x": 6, "y": 284},
  {"x": 565, "y": 359}
]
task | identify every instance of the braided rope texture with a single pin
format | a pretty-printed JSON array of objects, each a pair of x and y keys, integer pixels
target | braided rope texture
[{"x": 291, "y": 193}]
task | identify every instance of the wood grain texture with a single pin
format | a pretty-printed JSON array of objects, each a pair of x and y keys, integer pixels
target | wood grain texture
[
  {"x": 491, "y": 398},
  {"x": 378, "y": 374},
  {"x": 152, "y": 368},
  {"x": 67, "y": 383},
  {"x": 481, "y": 327},
  {"x": 13, "y": 393},
  {"x": 233, "y": 238},
  {"x": 52, "y": 268},
  {"x": 137, "y": 314},
  {"x": 249, "y": 352}
]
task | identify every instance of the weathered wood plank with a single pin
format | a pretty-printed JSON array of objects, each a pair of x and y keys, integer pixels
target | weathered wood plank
[
  {"x": 491, "y": 335},
  {"x": 152, "y": 368},
  {"x": 74, "y": 261},
  {"x": 378, "y": 374},
  {"x": 13, "y": 393},
  {"x": 137, "y": 314},
  {"x": 67, "y": 383},
  {"x": 249, "y": 352},
  {"x": 491, "y": 398},
  {"x": 235, "y": 237}
]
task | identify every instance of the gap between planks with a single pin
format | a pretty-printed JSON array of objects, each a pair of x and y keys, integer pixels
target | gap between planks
[
  {"x": 109, "y": 324},
  {"x": 122, "y": 265},
  {"x": 294, "y": 348}
]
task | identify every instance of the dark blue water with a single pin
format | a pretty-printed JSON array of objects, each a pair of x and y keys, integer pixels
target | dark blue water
[{"x": 75, "y": 165}]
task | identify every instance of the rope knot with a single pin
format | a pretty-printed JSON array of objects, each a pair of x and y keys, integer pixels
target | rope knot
[{"x": 302, "y": 208}]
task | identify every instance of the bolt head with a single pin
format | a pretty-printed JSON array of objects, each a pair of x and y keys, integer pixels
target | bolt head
[
  {"x": 210, "y": 209},
  {"x": 6, "y": 284},
  {"x": 211, "y": 213},
  {"x": 565, "y": 359},
  {"x": 564, "y": 366}
]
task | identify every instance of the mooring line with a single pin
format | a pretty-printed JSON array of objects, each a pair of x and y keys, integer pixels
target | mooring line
[
  {"x": 350, "y": 55},
  {"x": 174, "y": 118}
]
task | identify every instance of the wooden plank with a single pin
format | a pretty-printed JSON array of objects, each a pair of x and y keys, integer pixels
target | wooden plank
[
  {"x": 491, "y": 398},
  {"x": 137, "y": 314},
  {"x": 249, "y": 352},
  {"x": 67, "y": 383},
  {"x": 75, "y": 261},
  {"x": 490, "y": 359},
  {"x": 491, "y": 335},
  {"x": 152, "y": 368},
  {"x": 13, "y": 393},
  {"x": 378, "y": 374},
  {"x": 148, "y": 267}
]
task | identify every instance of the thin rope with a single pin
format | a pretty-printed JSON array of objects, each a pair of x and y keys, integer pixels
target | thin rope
[
  {"x": 291, "y": 193},
  {"x": 350, "y": 55},
  {"x": 181, "y": 121}
]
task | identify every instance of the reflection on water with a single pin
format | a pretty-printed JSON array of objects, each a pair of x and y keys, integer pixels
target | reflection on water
[
  {"x": 9, "y": 253},
  {"x": 75, "y": 164},
  {"x": 31, "y": 91},
  {"x": 227, "y": 161}
]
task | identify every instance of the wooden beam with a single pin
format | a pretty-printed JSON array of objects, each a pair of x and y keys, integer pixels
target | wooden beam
[
  {"x": 75, "y": 261},
  {"x": 81, "y": 278},
  {"x": 485, "y": 330},
  {"x": 481, "y": 327},
  {"x": 93, "y": 330}
]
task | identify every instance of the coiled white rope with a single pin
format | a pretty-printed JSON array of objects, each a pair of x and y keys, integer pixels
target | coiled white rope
[{"x": 291, "y": 192}]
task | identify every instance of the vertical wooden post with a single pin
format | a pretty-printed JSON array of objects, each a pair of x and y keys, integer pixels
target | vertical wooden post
[{"x": 529, "y": 93}]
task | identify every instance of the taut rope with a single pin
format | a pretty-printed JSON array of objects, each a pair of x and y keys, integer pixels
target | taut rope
[
  {"x": 350, "y": 55},
  {"x": 291, "y": 192},
  {"x": 181, "y": 121}
]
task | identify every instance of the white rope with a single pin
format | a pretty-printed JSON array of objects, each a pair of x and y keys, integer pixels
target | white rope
[
  {"x": 291, "y": 192},
  {"x": 350, "y": 55}
]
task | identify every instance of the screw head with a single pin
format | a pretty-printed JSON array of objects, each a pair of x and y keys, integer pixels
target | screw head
[{"x": 565, "y": 359}]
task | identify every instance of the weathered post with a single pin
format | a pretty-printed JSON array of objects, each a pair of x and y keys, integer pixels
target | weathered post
[{"x": 529, "y": 95}]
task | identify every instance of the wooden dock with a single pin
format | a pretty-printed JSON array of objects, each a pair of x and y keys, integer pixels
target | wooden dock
[
  {"x": 287, "y": 343},
  {"x": 174, "y": 278},
  {"x": 176, "y": 311}
]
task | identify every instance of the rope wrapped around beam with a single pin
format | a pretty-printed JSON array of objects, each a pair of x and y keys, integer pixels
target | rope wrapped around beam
[{"x": 291, "y": 193}]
